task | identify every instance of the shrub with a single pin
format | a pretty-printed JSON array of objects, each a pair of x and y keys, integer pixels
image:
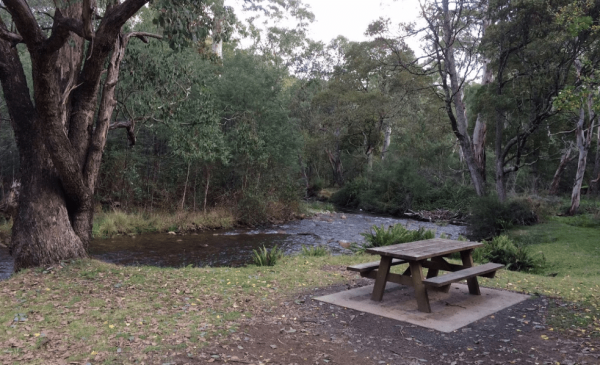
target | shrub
[
  {"x": 252, "y": 209},
  {"x": 584, "y": 221},
  {"x": 516, "y": 256},
  {"x": 349, "y": 195},
  {"x": 379, "y": 236},
  {"x": 315, "y": 251},
  {"x": 264, "y": 257},
  {"x": 490, "y": 217},
  {"x": 393, "y": 187}
]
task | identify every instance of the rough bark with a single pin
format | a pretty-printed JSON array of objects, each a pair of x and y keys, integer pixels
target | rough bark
[{"x": 59, "y": 150}]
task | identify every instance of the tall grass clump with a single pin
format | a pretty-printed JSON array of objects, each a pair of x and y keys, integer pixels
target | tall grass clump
[
  {"x": 314, "y": 251},
  {"x": 489, "y": 217},
  {"x": 380, "y": 236},
  {"x": 119, "y": 222},
  {"x": 516, "y": 256},
  {"x": 264, "y": 257}
]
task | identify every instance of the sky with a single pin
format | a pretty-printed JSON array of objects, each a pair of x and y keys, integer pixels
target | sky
[{"x": 350, "y": 18}]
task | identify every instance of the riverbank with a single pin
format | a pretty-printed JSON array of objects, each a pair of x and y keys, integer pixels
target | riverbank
[
  {"x": 117, "y": 222},
  {"x": 91, "y": 311}
]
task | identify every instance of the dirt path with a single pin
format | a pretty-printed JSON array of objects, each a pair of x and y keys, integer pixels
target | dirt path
[{"x": 300, "y": 330}]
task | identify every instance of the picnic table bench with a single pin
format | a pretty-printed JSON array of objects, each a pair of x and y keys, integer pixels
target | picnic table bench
[{"x": 428, "y": 254}]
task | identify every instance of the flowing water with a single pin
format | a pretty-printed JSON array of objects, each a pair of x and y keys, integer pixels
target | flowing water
[{"x": 234, "y": 247}]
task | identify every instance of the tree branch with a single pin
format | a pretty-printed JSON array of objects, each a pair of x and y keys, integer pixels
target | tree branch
[
  {"x": 25, "y": 21},
  {"x": 13, "y": 38},
  {"x": 129, "y": 125},
  {"x": 143, "y": 36}
]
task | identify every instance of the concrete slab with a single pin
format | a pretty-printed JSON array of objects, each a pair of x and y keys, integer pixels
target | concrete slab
[{"x": 449, "y": 311}]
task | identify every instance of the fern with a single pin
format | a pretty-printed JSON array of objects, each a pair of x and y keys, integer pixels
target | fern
[{"x": 379, "y": 236}]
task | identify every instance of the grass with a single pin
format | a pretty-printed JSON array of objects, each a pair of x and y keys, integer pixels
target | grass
[
  {"x": 118, "y": 222},
  {"x": 315, "y": 251},
  {"x": 86, "y": 310},
  {"x": 316, "y": 207}
]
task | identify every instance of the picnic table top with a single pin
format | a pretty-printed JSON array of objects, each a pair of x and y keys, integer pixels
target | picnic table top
[{"x": 421, "y": 250}]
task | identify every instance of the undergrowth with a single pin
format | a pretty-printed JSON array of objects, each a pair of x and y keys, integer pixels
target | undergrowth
[
  {"x": 265, "y": 257},
  {"x": 489, "y": 217},
  {"x": 516, "y": 256},
  {"x": 119, "y": 222},
  {"x": 380, "y": 236},
  {"x": 315, "y": 251}
]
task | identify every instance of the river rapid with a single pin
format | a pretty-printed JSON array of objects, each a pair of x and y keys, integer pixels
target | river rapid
[{"x": 235, "y": 247}]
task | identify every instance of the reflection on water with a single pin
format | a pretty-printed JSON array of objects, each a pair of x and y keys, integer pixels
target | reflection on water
[{"x": 234, "y": 247}]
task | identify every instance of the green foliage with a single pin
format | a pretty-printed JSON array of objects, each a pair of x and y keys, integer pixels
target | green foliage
[
  {"x": 188, "y": 23},
  {"x": 398, "y": 185},
  {"x": 264, "y": 257},
  {"x": 252, "y": 209},
  {"x": 584, "y": 221},
  {"x": 516, "y": 256},
  {"x": 489, "y": 217},
  {"x": 315, "y": 251},
  {"x": 380, "y": 236}
]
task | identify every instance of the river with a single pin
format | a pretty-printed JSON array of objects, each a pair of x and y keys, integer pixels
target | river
[{"x": 234, "y": 247}]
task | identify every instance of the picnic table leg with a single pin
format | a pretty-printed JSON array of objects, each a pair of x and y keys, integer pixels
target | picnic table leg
[
  {"x": 467, "y": 260},
  {"x": 431, "y": 273},
  {"x": 420, "y": 291},
  {"x": 381, "y": 280}
]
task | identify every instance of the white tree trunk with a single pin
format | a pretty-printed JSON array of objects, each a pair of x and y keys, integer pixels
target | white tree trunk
[
  {"x": 387, "y": 139},
  {"x": 584, "y": 140},
  {"x": 455, "y": 94}
]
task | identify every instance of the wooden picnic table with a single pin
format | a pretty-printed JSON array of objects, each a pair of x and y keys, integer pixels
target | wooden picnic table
[{"x": 428, "y": 254}]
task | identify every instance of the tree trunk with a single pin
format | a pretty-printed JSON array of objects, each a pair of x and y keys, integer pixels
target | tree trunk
[
  {"x": 387, "y": 140},
  {"x": 59, "y": 149},
  {"x": 336, "y": 167},
  {"x": 454, "y": 93},
  {"x": 480, "y": 130},
  {"x": 564, "y": 161},
  {"x": 42, "y": 233},
  {"x": 187, "y": 177},
  {"x": 583, "y": 144},
  {"x": 479, "y": 134},
  {"x": 595, "y": 183},
  {"x": 206, "y": 189}
]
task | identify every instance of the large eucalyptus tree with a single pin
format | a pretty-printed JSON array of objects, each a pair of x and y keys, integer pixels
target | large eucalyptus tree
[{"x": 75, "y": 49}]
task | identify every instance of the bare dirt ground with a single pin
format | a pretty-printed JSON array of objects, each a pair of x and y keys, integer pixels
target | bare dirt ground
[{"x": 300, "y": 330}]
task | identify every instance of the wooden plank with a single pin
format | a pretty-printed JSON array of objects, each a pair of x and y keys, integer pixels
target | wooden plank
[
  {"x": 391, "y": 277},
  {"x": 434, "y": 270},
  {"x": 453, "y": 277},
  {"x": 420, "y": 250},
  {"x": 441, "y": 264},
  {"x": 380, "y": 281},
  {"x": 467, "y": 260},
  {"x": 372, "y": 265},
  {"x": 420, "y": 290}
]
